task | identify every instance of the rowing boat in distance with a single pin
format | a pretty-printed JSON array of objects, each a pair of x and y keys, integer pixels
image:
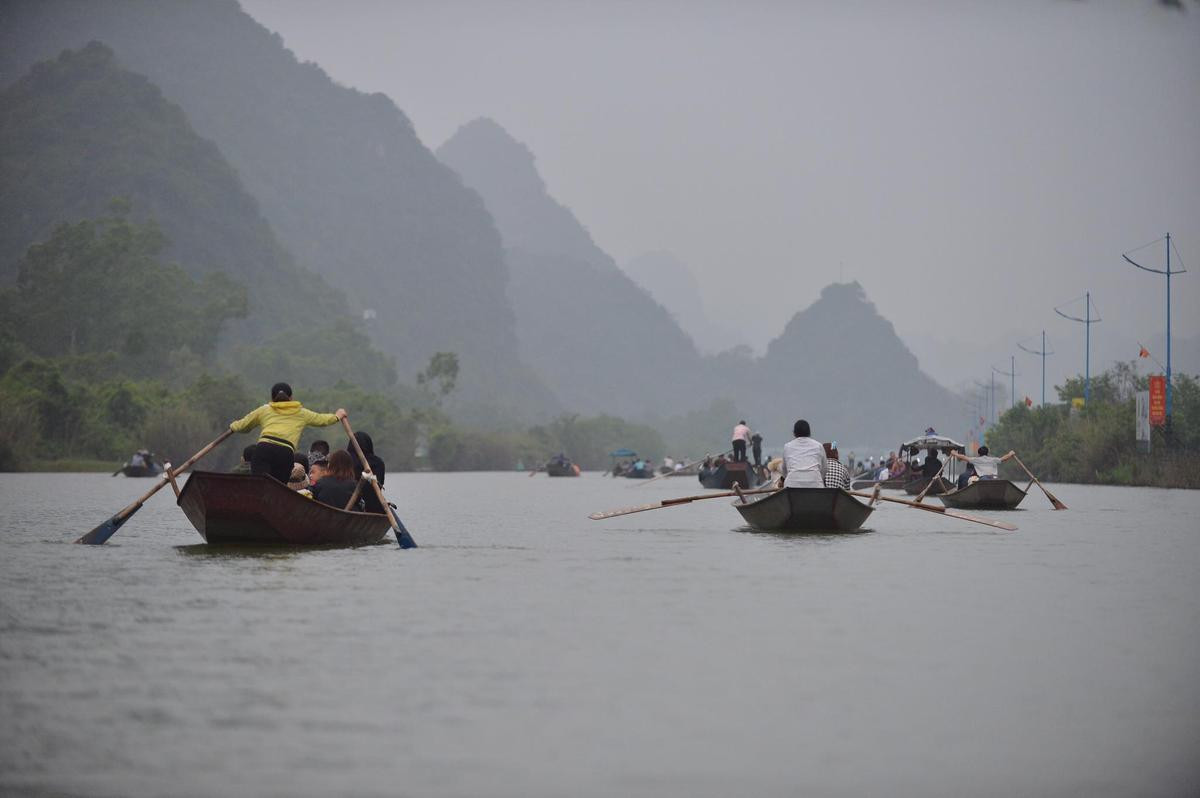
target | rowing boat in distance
[
  {"x": 257, "y": 510},
  {"x": 142, "y": 470},
  {"x": 725, "y": 475},
  {"x": 804, "y": 510},
  {"x": 984, "y": 494},
  {"x": 915, "y": 486},
  {"x": 867, "y": 483}
]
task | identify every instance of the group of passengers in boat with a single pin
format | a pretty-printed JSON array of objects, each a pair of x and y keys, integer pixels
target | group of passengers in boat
[{"x": 328, "y": 477}]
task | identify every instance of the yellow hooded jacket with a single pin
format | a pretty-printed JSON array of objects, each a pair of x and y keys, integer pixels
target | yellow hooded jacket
[{"x": 282, "y": 422}]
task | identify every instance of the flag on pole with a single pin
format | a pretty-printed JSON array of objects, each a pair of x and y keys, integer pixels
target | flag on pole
[
  {"x": 1028, "y": 402},
  {"x": 1143, "y": 352}
]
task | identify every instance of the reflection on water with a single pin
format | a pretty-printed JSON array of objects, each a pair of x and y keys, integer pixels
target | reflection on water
[{"x": 526, "y": 650}]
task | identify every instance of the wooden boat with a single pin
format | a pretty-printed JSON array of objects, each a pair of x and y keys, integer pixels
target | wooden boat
[
  {"x": 141, "y": 470},
  {"x": 257, "y": 510},
  {"x": 728, "y": 474},
  {"x": 915, "y": 486},
  {"x": 638, "y": 473},
  {"x": 804, "y": 510},
  {"x": 562, "y": 468},
  {"x": 985, "y": 494},
  {"x": 866, "y": 483}
]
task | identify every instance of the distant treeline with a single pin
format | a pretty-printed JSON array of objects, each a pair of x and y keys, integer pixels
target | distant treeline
[
  {"x": 1096, "y": 444},
  {"x": 105, "y": 348}
]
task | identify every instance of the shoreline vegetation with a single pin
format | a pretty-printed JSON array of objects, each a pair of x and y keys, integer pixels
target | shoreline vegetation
[{"x": 1095, "y": 445}]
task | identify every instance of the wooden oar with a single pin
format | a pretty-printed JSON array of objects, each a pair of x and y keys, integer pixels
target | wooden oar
[
  {"x": 109, "y": 527},
  {"x": 941, "y": 510},
  {"x": 402, "y": 537},
  {"x": 119, "y": 470},
  {"x": 672, "y": 503},
  {"x": 1053, "y": 500},
  {"x": 641, "y": 482},
  {"x": 938, "y": 476}
]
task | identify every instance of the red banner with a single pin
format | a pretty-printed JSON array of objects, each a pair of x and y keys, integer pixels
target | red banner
[{"x": 1158, "y": 400}]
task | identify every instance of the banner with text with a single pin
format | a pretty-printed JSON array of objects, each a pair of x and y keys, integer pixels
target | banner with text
[{"x": 1158, "y": 400}]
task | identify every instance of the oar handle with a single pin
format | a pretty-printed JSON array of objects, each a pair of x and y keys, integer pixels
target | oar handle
[{"x": 168, "y": 475}]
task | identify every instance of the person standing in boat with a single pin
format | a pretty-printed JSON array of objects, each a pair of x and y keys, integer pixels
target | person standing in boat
[
  {"x": 741, "y": 437},
  {"x": 836, "y": 474},
  {"x": 282, "y": 420},
  {"x": 756, "y": 449},
  {"x": 986, "y": 465},
  {"x": 804, "y": 461}
]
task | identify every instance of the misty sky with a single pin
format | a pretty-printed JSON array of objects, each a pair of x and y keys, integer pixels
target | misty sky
[{"x": 972, "y": 164}]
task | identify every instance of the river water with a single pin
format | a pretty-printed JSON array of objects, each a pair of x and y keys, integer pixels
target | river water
[{"x": 525, "y": 650}]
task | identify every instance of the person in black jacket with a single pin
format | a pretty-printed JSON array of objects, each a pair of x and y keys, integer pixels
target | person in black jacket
[
  {"x": 378, "y": 467},
  {"x": 337, "y": 486}
]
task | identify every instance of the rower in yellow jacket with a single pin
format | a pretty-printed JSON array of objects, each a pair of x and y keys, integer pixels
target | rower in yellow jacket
[{"x": 282, "y": 421}]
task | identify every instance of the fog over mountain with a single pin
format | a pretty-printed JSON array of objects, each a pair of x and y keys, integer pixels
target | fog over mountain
[
  {"x": 993, "y": 157},
  {"x": 339, "y": 175},
  {"x": 80, "y": 131},
  {"x": 674, "y": 286},
  {"x": 601, "y": 342}
]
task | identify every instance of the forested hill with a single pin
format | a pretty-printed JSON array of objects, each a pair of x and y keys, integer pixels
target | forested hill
[
  {"x": 841, "y": 365},
  {"x": 79, "y": 131},
  {"x": 601, "y": 342},
  {"x": 340, "y": 175}
]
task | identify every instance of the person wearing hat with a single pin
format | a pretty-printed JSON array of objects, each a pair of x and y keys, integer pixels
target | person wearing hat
[
  {"x": 282, "y": 420},
  {"x": 836, "y": 474}
]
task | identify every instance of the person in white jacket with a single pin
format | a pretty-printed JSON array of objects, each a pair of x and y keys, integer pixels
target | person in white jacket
[{"x": 804, "y": 461}]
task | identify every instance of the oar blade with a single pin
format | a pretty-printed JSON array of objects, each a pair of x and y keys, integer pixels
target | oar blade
[
  {"x": 102, "y": 533},
  {"x": 402, "y": 537}
]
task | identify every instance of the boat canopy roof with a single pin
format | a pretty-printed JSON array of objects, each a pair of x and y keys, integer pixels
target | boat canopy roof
[
  {"x": 939, "y": 442},
  {"x": 623, "y": 453}
]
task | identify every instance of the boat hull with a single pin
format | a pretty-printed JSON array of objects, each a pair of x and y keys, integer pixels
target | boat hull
[
  {"x": 562, "y": 470},
  {"x": 985, "y": 494},
  {"x": 915, "y": 486},
  {"x": 725, "y": 476},
  {"x": 256, "y": 510},
  {"x": 141, "y": 471},
  {"x": 805, "y": 510},
  {"x": 887, "y": 484}
]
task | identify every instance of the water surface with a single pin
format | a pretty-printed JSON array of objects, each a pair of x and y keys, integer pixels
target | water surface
[{"x": 525, "y": 650}]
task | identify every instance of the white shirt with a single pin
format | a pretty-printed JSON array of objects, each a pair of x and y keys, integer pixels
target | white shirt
[
  {"x": 804, "y": 463},
  {"x": 741, "y": 433},
  {"x": 986, "y": 465}
]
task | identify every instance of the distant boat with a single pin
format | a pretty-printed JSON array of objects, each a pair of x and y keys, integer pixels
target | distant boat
[
  {"x": 724, "y": 475},
  {"x": 633, "y": 472},
  {"x": 984, "y": 494},
  {"x": 257, "y": 510},
  {"x": 152, "y": 470},
  {"x": 562, "y": 468},
  {"x": 804, "y": 510}
]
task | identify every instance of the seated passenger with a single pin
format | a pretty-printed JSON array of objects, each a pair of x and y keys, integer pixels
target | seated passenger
[
  {"x": 836, "y": 474},
  {"x": 317, "y": 469},
  {"x": 299, "y": 480},
  {"x": 318, "y": 450},
  {"x": 378, "y": 468},
  {"x": 804, "y": 461},
  {"x": 337, "y": 486},
  {"x": 967, "y": 476},
  {"x": 247, "y": 455}
]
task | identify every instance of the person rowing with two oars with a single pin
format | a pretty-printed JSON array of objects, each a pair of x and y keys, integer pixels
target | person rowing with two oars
[
  {"x": 987, "y": 466},
  {"x": 804, "y": 459},
  {"x": 282, "y": 421}
]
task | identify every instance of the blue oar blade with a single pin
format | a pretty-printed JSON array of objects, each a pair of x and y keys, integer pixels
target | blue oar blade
[
  {"x": 105, "y": 531},
  {"x": 402, "y": 537}
]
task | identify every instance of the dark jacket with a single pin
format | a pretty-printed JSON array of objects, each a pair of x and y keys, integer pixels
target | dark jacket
[
  {"x": 378, "y": 467},
  {"x": 335, "y": 492}
]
